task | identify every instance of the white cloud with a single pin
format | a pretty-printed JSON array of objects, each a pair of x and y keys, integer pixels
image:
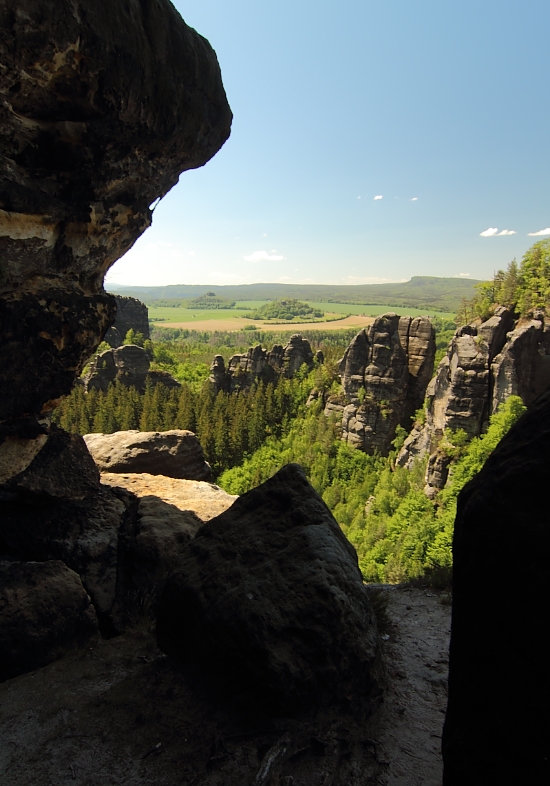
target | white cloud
[
  {"x": 264, "y": 234},
  {"x": 414, "y": 199},
  {"x": 540, "y": 232},
  {"x": 261, "y": 256},
  {"x": 493, "y": 232},
  {"x": 359, "y": 197},
  {"x": 379, "y": 196},
  {"x": 462, "y": 275}
]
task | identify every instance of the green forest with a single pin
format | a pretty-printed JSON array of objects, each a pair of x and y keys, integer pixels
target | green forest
[
  {"x": 521, "y": 288},
  {"x": 286, "y": 310},
  {"x": 247, "y": 436}
]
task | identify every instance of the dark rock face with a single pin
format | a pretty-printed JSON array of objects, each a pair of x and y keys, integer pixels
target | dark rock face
[
  {"x": 497, "y": 729},
  {"x": 63, "y": 469},
  {"x": 385, "y": 372},
  {"x": 128, "y": 365},
  {"x": 131, "y": 314},
  {"x": 260, "y": 364},
  {"x": 104, "y": 104},
  {"x": 44, "y": 610},
  {"x": 175, "y": 454},
  {"x": 269, "y": 601},
  {"x": 83, "y": 534}
]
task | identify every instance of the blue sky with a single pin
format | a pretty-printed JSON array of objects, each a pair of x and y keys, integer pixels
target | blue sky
[{"x": 439, "y": 108}]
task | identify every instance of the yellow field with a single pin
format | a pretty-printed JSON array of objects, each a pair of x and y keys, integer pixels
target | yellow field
[{"x": 238, "y": 324}]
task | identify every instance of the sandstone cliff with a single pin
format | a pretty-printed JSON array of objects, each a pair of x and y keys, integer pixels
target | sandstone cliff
[
  {"x": 104, "y": 104},
  {"x": 484, "y": 365},
  {"x": 131, "y": 314},
  {"x": 384, "y": 373},
  {"x": 259, "y": 364},
  {"x": 129, "y": 365}
]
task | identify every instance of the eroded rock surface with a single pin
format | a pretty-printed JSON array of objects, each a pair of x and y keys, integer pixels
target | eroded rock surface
[
  {"x": 268, "y": 601},
  {"x": 176, "y": 453},
  {"x": 259, "y": 364},
  {"x": 104, "y": 104},
  {"x": 484, "y": 365},
  {"x": 500, "y": 626},
  {"x": 385, "y": 372},
  {"x": 205, "y": 500},
  {"x": 131, "y": 314},
  {"x": 129, "y": 365},
  {"x": 44, "y": 612}
]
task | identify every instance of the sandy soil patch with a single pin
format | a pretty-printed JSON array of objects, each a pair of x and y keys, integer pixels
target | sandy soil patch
[
  {"x": 121, "y": 713},
  {"x": 238, "y": 324}
]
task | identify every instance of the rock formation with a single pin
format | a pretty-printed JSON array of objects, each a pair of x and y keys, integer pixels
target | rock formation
[
  {"x": 129, "y": 365},
  {"x": 175, "y": 454},
  {"x": 261, "y": 365},
  {"x": 384, "y": 372},
  {"x": 484, "y": 365},
  {"x": 268, "y": 602},
  {"x": 496, "y": 728},
  {"x": 45, "y": 611},
  {"x": 104, "y": 104},
  {"x": 205, "y": 500},
  {"x": 131, "y": 314}
]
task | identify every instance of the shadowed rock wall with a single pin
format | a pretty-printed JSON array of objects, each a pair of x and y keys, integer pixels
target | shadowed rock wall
[{"x": 103, "y": 105}]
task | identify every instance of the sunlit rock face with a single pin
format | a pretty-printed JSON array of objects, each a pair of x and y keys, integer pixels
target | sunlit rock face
[
  {"x": 385, "y": 372},
  {"x": 104, "y": 104}
]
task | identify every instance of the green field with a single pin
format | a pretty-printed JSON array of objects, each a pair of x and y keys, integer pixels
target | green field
[{"x": 243, "y": 308}]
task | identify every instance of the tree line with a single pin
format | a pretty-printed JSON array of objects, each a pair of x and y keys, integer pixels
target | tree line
[{"x": 230, "y": 427}]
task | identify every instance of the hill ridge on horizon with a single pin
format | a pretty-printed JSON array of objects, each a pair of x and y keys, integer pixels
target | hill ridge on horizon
[{"x": 440, "y": 293}]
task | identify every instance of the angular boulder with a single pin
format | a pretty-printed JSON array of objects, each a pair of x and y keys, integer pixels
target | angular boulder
[
  {"x": 44, "y": 611},
  {"x": 176, "y": 453},
  {"x": 268, "y": 602},
  {"x": 497, "y": 729}
]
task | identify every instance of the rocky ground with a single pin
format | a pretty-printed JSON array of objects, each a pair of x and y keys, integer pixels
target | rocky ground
[{"x": 120, "y": 713}]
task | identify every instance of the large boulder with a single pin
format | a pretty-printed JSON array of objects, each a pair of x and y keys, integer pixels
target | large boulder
[
  {"x": 268, "y": 602},
  {"x": 176, "y": 454},
  {"x": 497, "y": 729},
  {"x": 44, "y": 612},
  {"x": 104, "y": 104},
  {"x": 62, "y": 469},
  {"x": 205, "y": 500}
]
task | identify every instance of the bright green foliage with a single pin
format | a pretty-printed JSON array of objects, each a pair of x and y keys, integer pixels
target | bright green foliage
[
  {"x": 520, "y": 289},
  {"x": 138, "y": 339},
  {"x": 287, "y": 310},
  {"x": 398, "y": 532}
]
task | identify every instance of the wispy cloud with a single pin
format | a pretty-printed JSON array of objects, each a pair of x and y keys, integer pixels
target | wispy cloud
[
  {"x": 540, "y": 232},
  {"x": 379, "y": 196},
  {"x": 261, "y": 256},
  {"x": 414, "y": 199},
  {"x": 493, "y": 232}
]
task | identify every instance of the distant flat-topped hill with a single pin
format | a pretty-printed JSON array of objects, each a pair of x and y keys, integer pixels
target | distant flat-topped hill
[{"x": 442, "y": 294}]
